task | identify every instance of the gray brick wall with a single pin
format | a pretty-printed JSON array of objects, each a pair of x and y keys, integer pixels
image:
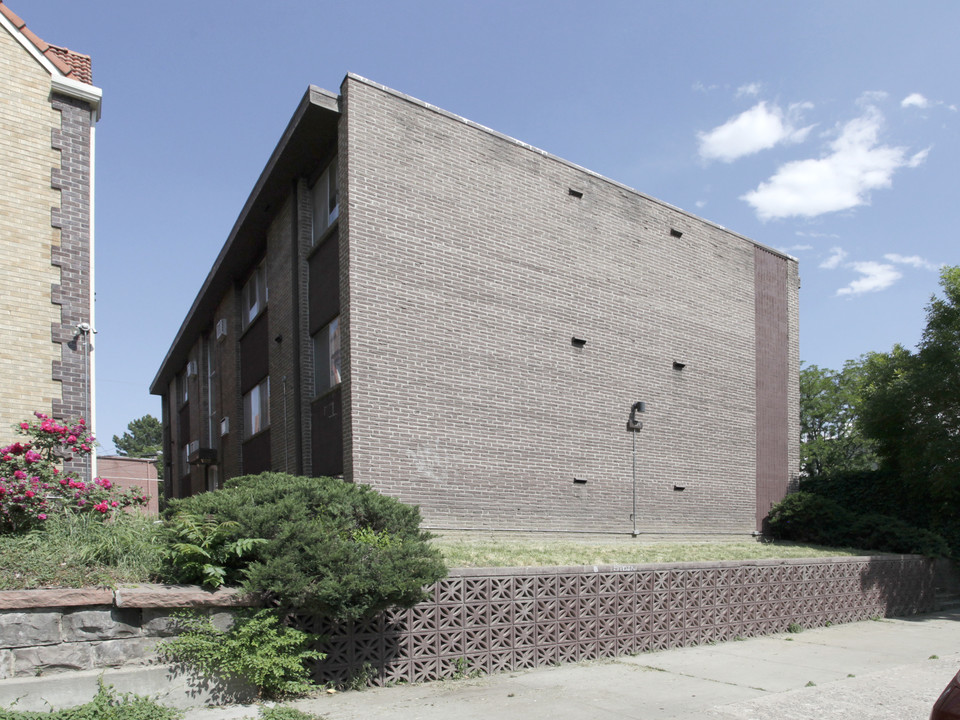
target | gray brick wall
[{"x": 469, "y": 266}]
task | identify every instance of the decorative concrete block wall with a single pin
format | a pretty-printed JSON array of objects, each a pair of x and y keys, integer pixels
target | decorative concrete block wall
[
  {"x": 506, "y": 619},
  {"x": 490, "y": 620}
]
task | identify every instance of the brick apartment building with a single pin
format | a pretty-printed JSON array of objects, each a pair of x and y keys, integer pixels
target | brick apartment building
[
  {"x": 48, "y": 111},
  {"x": 462, "y": 321}
]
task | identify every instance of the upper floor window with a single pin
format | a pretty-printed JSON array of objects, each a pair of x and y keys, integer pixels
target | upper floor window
[
  {"x": 326, "y": 203},
  {"x": 254, "y": 295},
  {"x": 256, "y": 409},
  {"x": 326, "y": 357},
  {"x": 183, "y": 387}
]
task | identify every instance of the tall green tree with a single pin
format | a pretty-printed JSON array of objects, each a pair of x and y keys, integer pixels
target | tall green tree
[
  {"x": 911, "y": 408},
  {"x": 831, "y": 437},
  {"x": 143, "y": 438}
]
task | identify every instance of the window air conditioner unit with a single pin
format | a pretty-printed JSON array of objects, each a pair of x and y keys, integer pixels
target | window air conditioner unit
[
  {"x": 224, "y": 426},
  {"x": 221, "y": 328},
  {"x": 193, "y": 448},
  {"x": 191, "y": 368}
]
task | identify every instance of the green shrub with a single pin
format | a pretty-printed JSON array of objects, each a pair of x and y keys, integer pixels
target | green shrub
[
  {"x": 334, "y": 548},
  {"x": 257, "y": 649},
  {"x": 807, "y": 517},
  {"x": 804, "y": 517},
  {"x": 107, "y": 705}
]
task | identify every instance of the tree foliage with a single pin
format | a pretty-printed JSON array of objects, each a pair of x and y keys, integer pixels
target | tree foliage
[
  {"x": 911, "y": 408},
  {"x": 143, "y": 438},
  {"x": 831, "y": 435}
]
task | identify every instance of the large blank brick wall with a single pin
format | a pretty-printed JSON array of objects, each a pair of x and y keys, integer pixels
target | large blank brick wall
[{"x": 469, "y": 266}]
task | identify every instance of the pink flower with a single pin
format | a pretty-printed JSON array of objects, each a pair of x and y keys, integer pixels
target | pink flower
[
  {"x": 30, "y": 493},
  {"x": 32, "y": 457},
  {"x": 104, "y": 483},
  {"x": 85, "y": 448},
  {"x": 101, "y": 507},
  {"x": 19, "y": 474},
  {"x": 56, "y": 471},
  {"x": 24, "y": 426},
  {"x": 42, "y": 516},
  {"x": 72, "y": 439},
  {"x": 114, "y": 503}
]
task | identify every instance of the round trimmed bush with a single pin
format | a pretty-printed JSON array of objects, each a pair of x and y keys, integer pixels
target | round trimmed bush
[{"x": 335, "y": 548}]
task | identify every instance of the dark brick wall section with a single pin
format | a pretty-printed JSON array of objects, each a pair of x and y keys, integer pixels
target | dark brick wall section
[
  {"x": 73, "y": 294},
  {"x": 773, "y": 345},
  {"x": 508, "y": 619}
]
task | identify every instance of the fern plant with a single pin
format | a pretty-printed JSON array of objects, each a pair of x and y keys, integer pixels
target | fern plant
[{"x": 206, "y": 550}]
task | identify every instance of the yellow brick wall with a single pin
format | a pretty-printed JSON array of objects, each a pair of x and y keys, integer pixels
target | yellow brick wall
[{"x": 26, "y": 236}]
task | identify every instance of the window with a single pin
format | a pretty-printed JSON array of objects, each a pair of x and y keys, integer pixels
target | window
[
  {"x": 326, "y": 203},
  {"x": 326, "y": 357},
  {"x": 256, "y": 409},
  {"x": 183, "y": 388},
  {"x": 254, "y": 295}
]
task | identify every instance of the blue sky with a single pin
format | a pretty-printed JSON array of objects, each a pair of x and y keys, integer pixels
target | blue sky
[{"x": 827, "y": 129}]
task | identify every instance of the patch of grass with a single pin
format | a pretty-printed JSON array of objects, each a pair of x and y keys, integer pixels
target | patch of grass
[
  {"x": 82, "y": 551},
  {"x": 280, "y": 712},
  {"x": 546, "y": 551},
  {"x": 107, "y": 705},
  {"x": 794, "y": 628}
]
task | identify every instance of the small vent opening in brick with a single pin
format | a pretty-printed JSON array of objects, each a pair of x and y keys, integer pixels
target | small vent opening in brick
[
  {"x": 575, "y": 193},
  {"x": 577, "y": 342},
  {"x": 679, "y": 488},
  {"x": 579, "y": 481},
  {"x": 678, "y": 365},
  {"x": 675, "y": 233}
]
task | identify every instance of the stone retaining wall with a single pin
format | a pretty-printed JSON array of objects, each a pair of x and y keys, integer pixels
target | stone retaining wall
[
  {"x": 491, "y": 620},
  {"x": 58, "y": 630}
]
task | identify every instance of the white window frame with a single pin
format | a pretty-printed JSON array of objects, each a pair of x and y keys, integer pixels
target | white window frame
[
  {"x": 256, "y": 409},
  {"x": 326, "y": 358},
  {"x": 325, "y": 195}
]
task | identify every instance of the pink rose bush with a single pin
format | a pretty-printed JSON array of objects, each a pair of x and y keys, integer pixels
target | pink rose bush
[{"x": 36, "y": 479}]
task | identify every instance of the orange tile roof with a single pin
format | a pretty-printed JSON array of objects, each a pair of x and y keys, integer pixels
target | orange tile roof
[{"x": 72, "y": 64}]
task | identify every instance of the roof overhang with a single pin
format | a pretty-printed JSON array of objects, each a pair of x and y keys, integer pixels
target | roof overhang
[
  {"x": 60, "y": 83},
  {"x": 303, "y": 144}
]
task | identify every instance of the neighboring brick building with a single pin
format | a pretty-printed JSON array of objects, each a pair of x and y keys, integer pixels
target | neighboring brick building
[
  {"x": 464, "y": 322},
  {"x": 48, "y": 110}
]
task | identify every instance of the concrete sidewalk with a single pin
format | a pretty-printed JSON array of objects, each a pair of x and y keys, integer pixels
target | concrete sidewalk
[{"x": 874, "y": 669}]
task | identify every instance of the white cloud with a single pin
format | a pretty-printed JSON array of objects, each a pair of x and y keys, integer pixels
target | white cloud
[
  {"x": 913, "y": 260},
  {"x": 915, "y": 100},
  {"x": 841, "y": 180},
  {"x": 759, "y": 128},
  {"x": 749, "y": 89},
  {"x": 801, "y": 248},
  {"x": 875, "y": 277},
  {"x": 837, "y": 256},
  {"x": 918, "y": 158}
]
